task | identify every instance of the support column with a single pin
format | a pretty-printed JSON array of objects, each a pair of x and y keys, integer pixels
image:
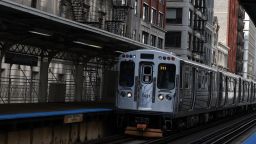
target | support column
[
  {"x": 79, "y": 79},
  {"x": 43, "y": 81},
  {"x": 4, "y": 46},
  {"x": 9, "y": 84},
  {"x": 1, "y": 59},
  {"x": 31, "y": 85}
]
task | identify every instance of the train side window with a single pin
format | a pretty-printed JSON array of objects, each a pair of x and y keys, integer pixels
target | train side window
[
  {"x": 206, "y": 80},
  {"x": 126, "y": 76},
  {"x": 199, "y": 85},
  {"x": 199, "y": 82},
  {"x": 254, "y": 92},
  {"x": 186, "y": 76},
  {"x": 186, "y": 80},
  {"x": 223, "y": 84},
  {"x": 244, "y": 91},
  {"x": 230, "y": 85},
  {"x": 214, "y": 84},
  {"x": 166, "y": 76},
  {"x": 202, "y": 80}
]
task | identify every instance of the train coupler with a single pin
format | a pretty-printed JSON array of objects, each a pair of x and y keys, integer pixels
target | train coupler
[{"x": 142, "y": 130}]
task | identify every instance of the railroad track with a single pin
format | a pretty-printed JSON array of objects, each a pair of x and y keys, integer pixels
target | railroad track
[
  {"x": 224, "y": 135},
  {"x": 229, "y": 133},
  {"x": 120, "y": 139}
]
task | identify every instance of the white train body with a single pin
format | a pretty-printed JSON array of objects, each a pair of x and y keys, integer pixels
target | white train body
[
  {"x": 179, "y": 92},
  {"x": 150, "y": 84}
]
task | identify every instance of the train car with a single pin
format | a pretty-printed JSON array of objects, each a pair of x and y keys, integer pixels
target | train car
[
  {"x": 158, "y": 92},
  {"x": 148, "y": 82}
]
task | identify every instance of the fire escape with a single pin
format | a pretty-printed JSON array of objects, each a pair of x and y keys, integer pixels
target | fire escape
[
  {"x": 79, "y": 11},
  {"x": 76, "y": 10},
  {"x": 240, "y": 41},
  {"x": 199, "y": 28},
  {"x": 118, "y": 22}
]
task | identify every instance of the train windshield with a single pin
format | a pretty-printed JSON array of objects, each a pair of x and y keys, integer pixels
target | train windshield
[
  {"x": 166, "y": 76},
  {"x": 126, "y": 77}
]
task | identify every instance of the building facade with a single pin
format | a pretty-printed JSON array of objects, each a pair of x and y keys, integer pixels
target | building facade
[
  {"x": 186, "y": 29},
  {"x": 249, "y": 59},
  {"x": 141, "y": 20},
  {"x": 221, "y": 57},
  {"x": 230, "y": 17},
  {"x": 240, "y": 40},
  {"x": 220, "y": 50},
  {"x": 209, "y": 33},
  {"x": 150, "y": 22}
]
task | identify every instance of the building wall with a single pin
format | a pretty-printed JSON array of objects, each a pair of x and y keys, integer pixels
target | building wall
[
  {"x": 122, "y": 17},
  {"x": 220, "y": 50},
  {"x": 209, "y": 33},
  {"x": 221, "y": 12},
  {"x": 222, "y": 56},
  {"x": 230, "y": 15},
  {"x": 151, "y": 29},
  {"x": 232, "y": 35},
  {"x": 24, "y": 2},
  {"x": 249, "y": 48},
  {"x": 183, "y": 27},
  {"x": 186, "y": 26},
  {"x": 215, "y": 41},
  {"x": 240, "y": 40}
]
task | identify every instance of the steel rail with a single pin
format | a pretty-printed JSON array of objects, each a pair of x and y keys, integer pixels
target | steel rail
[{"x": 229, "y": 133}]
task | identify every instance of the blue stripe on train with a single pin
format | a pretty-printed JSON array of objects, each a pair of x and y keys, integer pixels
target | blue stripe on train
[
  {"x": 51, "y": 113},
  {"x": 250, "y": 140}
]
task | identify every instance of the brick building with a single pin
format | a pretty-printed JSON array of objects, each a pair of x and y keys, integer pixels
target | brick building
[{"x": 230, "y": 16}]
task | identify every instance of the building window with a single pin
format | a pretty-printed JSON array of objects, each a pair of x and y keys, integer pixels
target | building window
[
  {"x": 189, "y": 41},
  {"x": 145, "y": 16},
  {"x": 153, "y": 40},
  {"x": 162, "y": 2},
  {"x": 161, "y": 19},
  {"x": 123, "y": 2},
  {"x": 173, "y": 39},
  {"x": 145, "y": 36},
  {"x": 135, "y": 7},
  {"x": 174, "y": 15},
  {"x": 190, "y": 18},
  {"x": 153, "y": 16},
  {"x": 160, "y": 43}
]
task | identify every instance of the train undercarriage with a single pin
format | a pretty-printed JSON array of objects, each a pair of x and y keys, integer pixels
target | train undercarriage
[{"x": 160, "y": 125}]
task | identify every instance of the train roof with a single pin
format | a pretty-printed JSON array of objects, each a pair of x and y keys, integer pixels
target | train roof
[
  {"x": 154, "y": 50},
  {"x": 190, "y": 62}
]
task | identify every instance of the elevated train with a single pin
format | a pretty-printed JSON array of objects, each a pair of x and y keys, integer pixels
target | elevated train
[{"x": 159, "y": 92}]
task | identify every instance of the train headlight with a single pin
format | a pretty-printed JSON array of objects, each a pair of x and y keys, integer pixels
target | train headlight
[
  {"x": 123, "y": 94},
  {"x": 129, "y": 94},
  {"x": 160, "y": 97}
]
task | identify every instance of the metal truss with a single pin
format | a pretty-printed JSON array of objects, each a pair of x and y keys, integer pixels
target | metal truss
[{"x": 24, "y": 88}]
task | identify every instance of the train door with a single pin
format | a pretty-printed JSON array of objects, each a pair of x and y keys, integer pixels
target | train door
[
  {"x": 146, "y": 86},
  {"x": 186, "y": 87}
]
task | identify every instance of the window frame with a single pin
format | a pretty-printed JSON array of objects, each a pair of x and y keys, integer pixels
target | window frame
[{"x": 158, "y": 77}]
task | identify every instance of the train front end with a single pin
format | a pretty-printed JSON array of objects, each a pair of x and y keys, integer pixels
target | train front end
[{"x": 147, "y": 90}]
